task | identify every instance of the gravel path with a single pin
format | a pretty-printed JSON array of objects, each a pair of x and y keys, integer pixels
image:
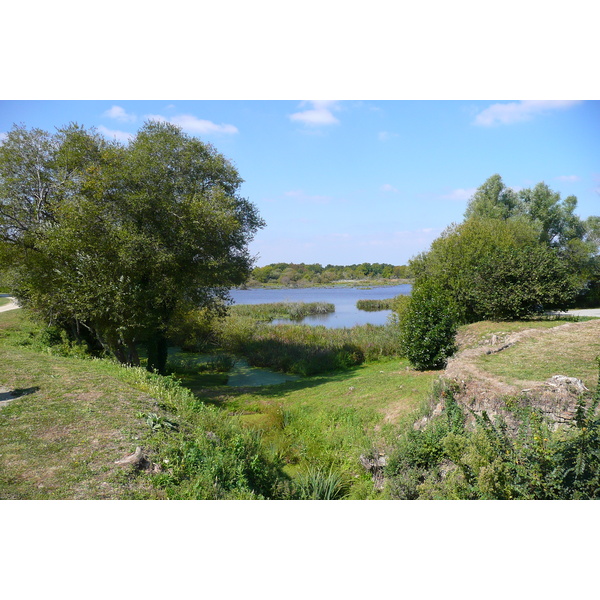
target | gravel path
[{"x": 584, "y": 312}]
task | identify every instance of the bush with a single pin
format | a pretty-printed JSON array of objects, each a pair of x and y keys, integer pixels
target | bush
[{"x": 428, "y": 329}]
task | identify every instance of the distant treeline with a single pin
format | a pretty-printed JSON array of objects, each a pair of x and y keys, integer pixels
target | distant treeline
[{"x": 302, "y": 274}]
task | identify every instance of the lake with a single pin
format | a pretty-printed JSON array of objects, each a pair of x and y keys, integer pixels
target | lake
[{"x": 345, "y": 298}]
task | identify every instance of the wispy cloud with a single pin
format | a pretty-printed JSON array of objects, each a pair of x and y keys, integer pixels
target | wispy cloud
[
  {"x": 321, "y": 113},
  {"x": 192, "y": 124},
  {"x": 120, "y": 114},
  {"x": 384, "y": 136},
  {"x": 386, "y": 187},
  {"x": 569, "y": 178},
  {"x": 459, "y": 194},
  {"x": 121, "y": 136},
  {"x": 506, "y": 113}
]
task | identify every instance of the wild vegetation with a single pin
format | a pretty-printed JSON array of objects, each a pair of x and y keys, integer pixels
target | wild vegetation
[
  {"x": 447, "y": 460},
  {"x": 76, "y": 416},
  {"x": 304, "y": 349},
  {"x": 514, "y": 256},
  {"x": 294, "y": 311}
]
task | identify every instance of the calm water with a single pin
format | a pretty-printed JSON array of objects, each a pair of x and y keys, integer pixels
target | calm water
[{"x": 346, "y": 314}]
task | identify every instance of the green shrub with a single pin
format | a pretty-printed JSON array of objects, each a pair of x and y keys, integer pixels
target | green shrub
[
  {"x": 193, "y": 330},
  {"x": 428, "y": 328}
]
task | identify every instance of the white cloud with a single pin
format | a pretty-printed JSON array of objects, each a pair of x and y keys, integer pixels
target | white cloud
[
  {"x": 384, "y": 136},
  {"x": 459, "y": 194},
  {"x": 121, "y": 136},
  {"x": 386, "y": 187},
  {"x": 320, "y": 114},
  {"x": 570, "y": 178},
  {"x": 515, "y": 112},
  {"x": 194, "y": 125},
  {"x": 119, "y": 113}
]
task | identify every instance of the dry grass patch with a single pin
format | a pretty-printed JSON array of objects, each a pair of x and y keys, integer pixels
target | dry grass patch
[{"x": 570, "y": 349}]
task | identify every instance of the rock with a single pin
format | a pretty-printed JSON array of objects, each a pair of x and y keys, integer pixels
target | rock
[
  {"x": 571, "y": 383},
  {"x": 374, "y": 464}
]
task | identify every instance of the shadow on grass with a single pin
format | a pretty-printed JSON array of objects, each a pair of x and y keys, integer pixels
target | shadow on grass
[
  {"x": 223, "y": 395},
  {"x": 10, "y": 395}
]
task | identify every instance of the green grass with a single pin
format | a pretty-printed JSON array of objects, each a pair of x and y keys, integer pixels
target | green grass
[
  {"x": 4, "y": 301},
  {"x": 62, "y": 438},
  {"x": 556, "y": 346},
  {"x": 328, "y": 421}
]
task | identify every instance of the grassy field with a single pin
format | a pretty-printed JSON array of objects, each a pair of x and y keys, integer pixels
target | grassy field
[
  {"x": 74, "y": 417},
  {"x": 4, "y": 301},
  {"x": 61, "y": 436},
  {"x": 570, "y": 350}
]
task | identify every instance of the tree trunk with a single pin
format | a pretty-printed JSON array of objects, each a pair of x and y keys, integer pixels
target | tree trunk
[{"x": 157, "y": 353}]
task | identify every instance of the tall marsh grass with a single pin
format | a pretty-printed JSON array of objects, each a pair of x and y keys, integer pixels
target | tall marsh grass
[
  {"x": 375, "y": 305},
  {"x": 307, "y": 350}
]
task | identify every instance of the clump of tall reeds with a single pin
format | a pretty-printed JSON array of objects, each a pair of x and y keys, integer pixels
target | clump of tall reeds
[
  {"x": 281, "y": 310},
  {"x": 375, "y": 305}
]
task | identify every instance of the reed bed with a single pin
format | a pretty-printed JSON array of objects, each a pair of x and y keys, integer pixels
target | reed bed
[
  {"x": 281, "y": 310},
  {"x": 307, "y": 350},
  {"x": 375, "y": 305}
]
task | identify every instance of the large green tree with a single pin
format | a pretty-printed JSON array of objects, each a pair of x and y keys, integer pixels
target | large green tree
[
  {"x": 111, "y": 241},
  {"x": 496, "y": 269},
  {"x": 515, "y": 253}
]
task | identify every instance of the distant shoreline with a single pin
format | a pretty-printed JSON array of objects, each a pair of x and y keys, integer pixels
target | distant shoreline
[{"x": 331, "y": 284}]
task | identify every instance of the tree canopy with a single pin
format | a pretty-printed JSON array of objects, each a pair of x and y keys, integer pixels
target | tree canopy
[
  {"x": 514, "y": 254},
  {"x": 109, "y": 241}
]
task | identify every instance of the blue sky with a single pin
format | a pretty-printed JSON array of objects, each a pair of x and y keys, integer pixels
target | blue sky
[{"x": 347, "y": 182}]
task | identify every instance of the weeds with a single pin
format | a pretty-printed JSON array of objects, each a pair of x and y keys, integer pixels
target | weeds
[{"x": 320, "y": 484}]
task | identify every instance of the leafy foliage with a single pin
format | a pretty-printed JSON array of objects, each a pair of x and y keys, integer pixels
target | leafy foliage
[
  {"x": 428, "y": 328},
  {"x": 445, "y": 460},
  {"x": 112, "y": 242},
  {"x": 497, "y": 269}
]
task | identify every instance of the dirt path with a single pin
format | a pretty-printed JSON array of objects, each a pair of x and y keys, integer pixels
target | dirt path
[
  {"x": 462, "y": 368},
  {"x": 10, "y": 306}
]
